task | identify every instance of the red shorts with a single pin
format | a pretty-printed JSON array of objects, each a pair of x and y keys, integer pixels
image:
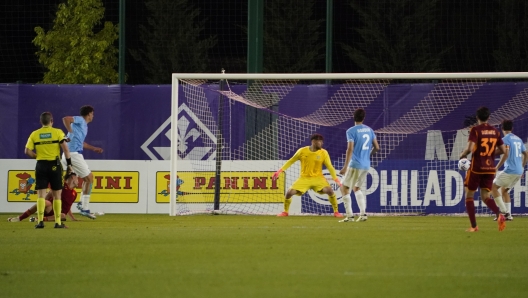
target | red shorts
[
  {"x": 474, "y": 181},
  {"x": 51, "y": 213}
]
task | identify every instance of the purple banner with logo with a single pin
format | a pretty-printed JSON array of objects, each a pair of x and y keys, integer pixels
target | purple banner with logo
[{"x": 419, "y": 126}]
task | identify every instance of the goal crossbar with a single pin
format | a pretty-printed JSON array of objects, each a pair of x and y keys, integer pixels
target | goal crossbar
[{"x": 354, "y": 76}]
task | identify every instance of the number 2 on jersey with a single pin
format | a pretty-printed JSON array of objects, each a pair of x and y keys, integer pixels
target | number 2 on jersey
[{"x": 366, "y": 142}]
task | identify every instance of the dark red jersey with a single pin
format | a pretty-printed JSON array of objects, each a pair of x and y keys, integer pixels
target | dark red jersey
[
  {"x": 68, "y": 196},
  {"x": 486, "y": 139}
]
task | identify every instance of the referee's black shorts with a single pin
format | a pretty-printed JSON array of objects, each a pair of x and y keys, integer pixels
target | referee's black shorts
[{"x": 48, "y": 172}]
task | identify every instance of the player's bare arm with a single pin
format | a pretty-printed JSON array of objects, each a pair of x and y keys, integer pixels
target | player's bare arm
[
  {"x": 466, "y": 151},
  {"x": 92, "y": 148},
  {"x": 503, "y": 158},
  {"x": 375, "y": 148},
  {"x": 70, "y": 214},
  {"x": 66, "y": 151},
  {"x": 497, "y": 151},
  {"x": 67, "y": 121},
  {"x": 349, "y": 152},
  {"x": 30, "y": 153},
  {"x": 501, "y": 150}
]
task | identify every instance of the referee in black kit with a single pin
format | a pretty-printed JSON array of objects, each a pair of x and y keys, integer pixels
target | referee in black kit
[{"x": 44, "y": 145}]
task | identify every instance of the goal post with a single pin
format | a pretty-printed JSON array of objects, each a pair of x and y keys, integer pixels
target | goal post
[{"x": 229, "y": 140}]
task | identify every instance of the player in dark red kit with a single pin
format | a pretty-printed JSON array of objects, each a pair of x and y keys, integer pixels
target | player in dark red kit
[
  {"x": 482, "y": 142},
  {"x": 68, "y": 196}
]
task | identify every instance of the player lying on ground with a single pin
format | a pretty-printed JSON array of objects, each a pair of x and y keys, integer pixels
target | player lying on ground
[{"x": 68, "y": 196}]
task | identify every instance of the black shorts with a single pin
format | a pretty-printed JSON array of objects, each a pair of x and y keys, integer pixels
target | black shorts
[{"x": 48, "y": 172}]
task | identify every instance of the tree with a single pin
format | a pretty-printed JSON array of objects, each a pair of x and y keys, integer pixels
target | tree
[
  {"x": 396, "y": 36},
  {"x": 172, "y": 41},
  {"x": 291, "y": 37},
  {"x": 511, "y": 53},
  {"x": 71, "y": 52}
]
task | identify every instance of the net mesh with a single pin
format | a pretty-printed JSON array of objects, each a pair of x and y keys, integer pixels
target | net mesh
[{"x": 241, "y": 135}]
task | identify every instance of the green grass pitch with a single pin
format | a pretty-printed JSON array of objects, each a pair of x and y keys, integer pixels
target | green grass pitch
[{"x": 263, "y": 256}]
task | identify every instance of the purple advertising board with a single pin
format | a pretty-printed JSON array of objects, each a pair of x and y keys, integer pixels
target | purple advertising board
[{"x": 132, "y": 123}]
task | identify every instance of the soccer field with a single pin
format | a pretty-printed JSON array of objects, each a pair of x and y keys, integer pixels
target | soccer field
[{"x": 263, "y": 256}]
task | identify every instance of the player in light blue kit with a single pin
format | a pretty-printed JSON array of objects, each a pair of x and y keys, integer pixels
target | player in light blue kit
[
  {"x": 362, "y": 144},
  {"x": 514, "y": 161},
  {"x": 77, "y": 127}
]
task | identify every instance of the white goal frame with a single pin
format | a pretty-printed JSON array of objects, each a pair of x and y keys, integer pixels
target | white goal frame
[{"x": 311, "y": 76}]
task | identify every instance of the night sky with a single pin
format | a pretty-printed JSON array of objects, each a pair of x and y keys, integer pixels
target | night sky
[{"x": 466, "y": 32}]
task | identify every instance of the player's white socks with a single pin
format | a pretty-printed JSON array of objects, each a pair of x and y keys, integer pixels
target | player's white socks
[
  {"x": 361, "y": 201},
  {"x": 500, "y": 203},
  {"x": 508, "y": 207},
  {"x": 348, "y": 205},
  {"x": 85, "y": 200}
]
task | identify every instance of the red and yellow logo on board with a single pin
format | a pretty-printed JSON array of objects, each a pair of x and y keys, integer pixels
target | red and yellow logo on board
[
  {"x": 235, "y": 187},
  {"x": 21, "y": 186},
  {"x": 107, "y": 187}
]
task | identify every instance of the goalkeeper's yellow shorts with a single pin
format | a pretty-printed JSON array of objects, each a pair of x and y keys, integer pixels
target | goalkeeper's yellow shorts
[{"x": 304, "y": 184}]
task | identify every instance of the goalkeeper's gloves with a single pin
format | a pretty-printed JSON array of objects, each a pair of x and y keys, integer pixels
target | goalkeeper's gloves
[
  {"x": 276, "y": 175},
  {"x": 338, "y": 182}
]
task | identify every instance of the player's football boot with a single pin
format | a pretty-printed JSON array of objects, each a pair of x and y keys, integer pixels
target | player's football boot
[
  {"x": 61, "y": 226},
  {"x": 13, "y": 219},
  {"x": 362, "y": 218},
  {"x": 502, "y": 222},
  {"x": 87, "y": 214},
  {"x": 475, "y": 229},
  {"x": 282, "y": 214},
  {"x": 337, "y": 214},
  {"x": 40, "y": 225},
  {"x": 507, "y": 216},
  {"x": 79, "y": 206},
  {"x": 347, "y": 219}
]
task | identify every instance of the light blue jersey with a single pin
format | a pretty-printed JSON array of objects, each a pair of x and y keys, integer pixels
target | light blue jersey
[
  {"x": 513, "y": 164},
  {"x": 362, "y": 136},
  {"x": 80, "y": 130}
]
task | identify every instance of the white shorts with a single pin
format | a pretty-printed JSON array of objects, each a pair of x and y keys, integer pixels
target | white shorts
[
  {"x": 506, "y": 180},
  {"x": 354, "y": 178},
  {"x": 79, "y": 165}
]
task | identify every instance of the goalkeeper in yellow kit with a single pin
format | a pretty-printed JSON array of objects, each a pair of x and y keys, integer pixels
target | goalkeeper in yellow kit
[{"x": 312, "y": 159}]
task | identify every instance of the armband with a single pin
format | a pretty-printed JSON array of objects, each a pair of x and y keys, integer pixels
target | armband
[{"x": 68, "y": 161}]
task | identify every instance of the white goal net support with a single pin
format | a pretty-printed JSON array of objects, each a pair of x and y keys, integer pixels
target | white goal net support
[{"x": 235, "y": 130}]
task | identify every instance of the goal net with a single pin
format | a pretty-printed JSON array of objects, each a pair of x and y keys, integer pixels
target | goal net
[{"x": 235, "y": 130}]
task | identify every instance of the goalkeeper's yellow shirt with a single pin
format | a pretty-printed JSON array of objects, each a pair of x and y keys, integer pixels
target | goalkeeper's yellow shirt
[{"x": 311, "y": 162}]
